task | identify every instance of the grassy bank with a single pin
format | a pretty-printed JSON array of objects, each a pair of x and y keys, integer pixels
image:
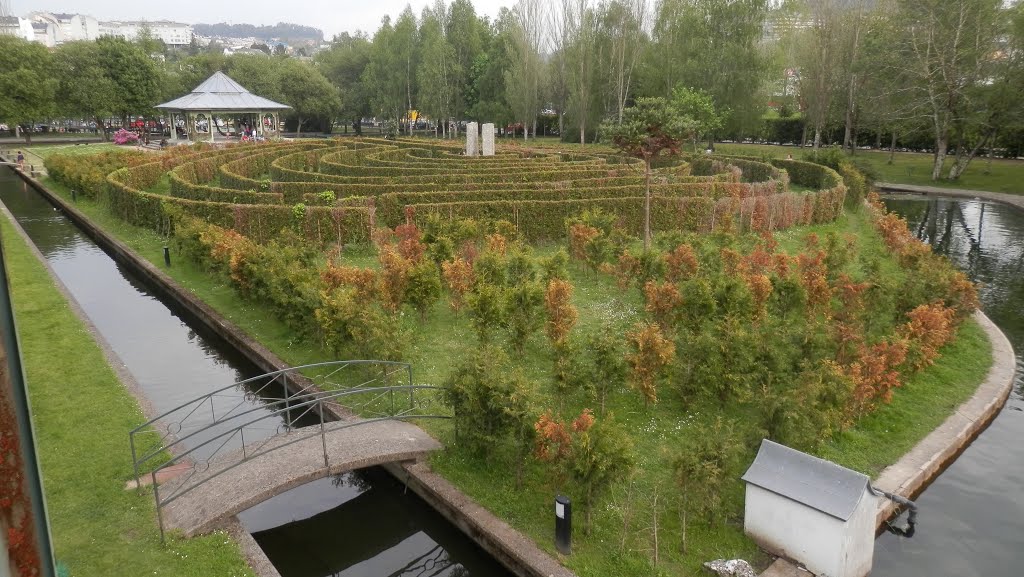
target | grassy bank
[
  {"x": 911, "y": 167},
  {"x": 82, "y": 414},
  {"x": 444, "y": 340}
]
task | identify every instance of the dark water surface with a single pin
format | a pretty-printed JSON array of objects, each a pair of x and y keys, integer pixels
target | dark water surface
[
  {"x": 361, "y": 524},
  {"x": 971, "y": 519}
]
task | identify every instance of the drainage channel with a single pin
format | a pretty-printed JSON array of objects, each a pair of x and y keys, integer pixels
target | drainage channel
[
  {"x": 972, "y": 515},
  {"x": 359, "y": 523}
]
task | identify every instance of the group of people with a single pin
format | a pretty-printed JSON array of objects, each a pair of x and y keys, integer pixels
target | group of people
[{"x": 250, "y": 133}]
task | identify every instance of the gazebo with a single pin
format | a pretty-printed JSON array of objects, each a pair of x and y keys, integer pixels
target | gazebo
[{"x": 219, "y": 95}]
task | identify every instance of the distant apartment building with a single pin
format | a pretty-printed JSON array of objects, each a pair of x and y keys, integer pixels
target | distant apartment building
[
  {"x": 52, "y": 29},
  {"x": 172, "y": 33},
  {"x": 14, "y": 26}
]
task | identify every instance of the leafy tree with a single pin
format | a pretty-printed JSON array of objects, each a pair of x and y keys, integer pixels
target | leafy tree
[
  {"x": 486, "y": 309},
  {"x": 492, "y": 402},
  {"x": 466, "y": 34},
  {"x": 308, "y": 92},
  {"x": 84, "y": 89},
  {"x": 458, "y": 275},
  {"x": 424, "y": 287},
  {"x": 343, "y": 64},
  {"x": 607, "y": 364},
  {"x": 134, "y": 73},
  {"x": 713, "y": 45},
  {"x": 524, "y": 312},
  {"x": 351, "y": 325},
  {"x": 602, "y": 454},
  {"x": 27, "y": 85},
  {"x": 562, "y": 314},
  {"x": 947, "y": 48},
  {"x": 650, "y": 127},
  {"x": 705, "y": 466},
  {"x": 435, "y": 73},
  {"x": 151, "y": 44},
  {"x": 651, "y": 355},
  {"x": 523, "y": 77},
  {"x": 699, "y": 107}
]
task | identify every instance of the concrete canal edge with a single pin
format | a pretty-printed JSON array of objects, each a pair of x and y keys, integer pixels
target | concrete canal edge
[
  {"x": 909, "y": 476},
  {"x": 915, "y": 470},
  {"x": 1011, "y": 199},
  {"x": 510, "y": 547}
]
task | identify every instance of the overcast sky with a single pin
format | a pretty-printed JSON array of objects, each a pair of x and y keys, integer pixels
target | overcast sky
[{"x": 331, "y": 16}]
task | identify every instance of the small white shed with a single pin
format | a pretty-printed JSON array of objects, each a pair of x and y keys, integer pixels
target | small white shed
[{"x": 811, "y": 511}]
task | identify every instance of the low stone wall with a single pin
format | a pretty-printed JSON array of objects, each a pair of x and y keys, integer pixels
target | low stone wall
[{"x": 513, "y": 549}]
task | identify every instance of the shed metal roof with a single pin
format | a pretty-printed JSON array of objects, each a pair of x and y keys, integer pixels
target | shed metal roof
[
  {"x": 813, "y": 482},
  {"x": 219, "y": 93}
]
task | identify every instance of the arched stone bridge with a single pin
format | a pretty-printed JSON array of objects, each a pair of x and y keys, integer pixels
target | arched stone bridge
[
  {"x": 232, "y": 484},
  {"x": 244, "y": 443}
]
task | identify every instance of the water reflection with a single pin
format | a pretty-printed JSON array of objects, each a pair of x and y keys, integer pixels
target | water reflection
[
  {"x": 972, "y": 516},
  {"x": 368, "y": 526}
]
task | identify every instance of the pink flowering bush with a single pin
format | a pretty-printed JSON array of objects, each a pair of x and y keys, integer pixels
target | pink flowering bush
[{"x": 125, "y": 137}]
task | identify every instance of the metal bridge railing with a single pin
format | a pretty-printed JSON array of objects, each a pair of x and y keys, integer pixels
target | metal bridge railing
[{"x": 255, "y": 412}]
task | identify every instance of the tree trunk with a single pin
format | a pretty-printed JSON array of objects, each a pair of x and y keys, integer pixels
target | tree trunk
[
  {"x": 647, "y": 205},
  {"x": 892, "y": 147},
  {"x": 941, "y": 146},
  {"x": 963, "y": 159},
  {"x": 817, "y": 137},
  {"x": 102, "y": 129},
  {"x": 298, "y": 128},
  {"x": 803, "y": 136}
]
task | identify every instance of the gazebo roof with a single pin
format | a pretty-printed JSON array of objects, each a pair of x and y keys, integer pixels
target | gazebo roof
[{"x": 219, "y": 93}]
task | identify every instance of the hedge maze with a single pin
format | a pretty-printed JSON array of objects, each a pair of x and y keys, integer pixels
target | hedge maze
[{"x": 339, "y": 190}]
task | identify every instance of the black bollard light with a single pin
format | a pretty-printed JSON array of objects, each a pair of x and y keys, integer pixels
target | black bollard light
[
  {"x": 74, "y": 195},
  {"x": 563, "y": 525},
  {"x": 167, "y": 256}
]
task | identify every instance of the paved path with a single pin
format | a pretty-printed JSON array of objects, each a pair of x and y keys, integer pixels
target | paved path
[
  {"x": 1012, "y": 199},
  {"x": 255, "y": 480}
]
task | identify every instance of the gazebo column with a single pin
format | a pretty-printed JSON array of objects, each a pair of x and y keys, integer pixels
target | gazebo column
[
  {"x": 174, "y": 128},
  {"x": 210, "y": 126},
  {"x": 277, "y": 126}
]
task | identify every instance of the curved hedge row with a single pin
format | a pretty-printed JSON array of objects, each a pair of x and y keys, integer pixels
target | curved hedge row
[{"x": 335, "y": 191}]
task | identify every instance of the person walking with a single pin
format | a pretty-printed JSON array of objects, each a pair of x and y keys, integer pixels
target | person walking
[{"x": 21, "y": 161}]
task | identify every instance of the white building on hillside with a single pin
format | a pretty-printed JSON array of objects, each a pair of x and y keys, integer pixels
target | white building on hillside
[
  {"x": 172, "y": 33},
  {"x": 66, "y": 27},
  {"x": 14, "y": 26}
]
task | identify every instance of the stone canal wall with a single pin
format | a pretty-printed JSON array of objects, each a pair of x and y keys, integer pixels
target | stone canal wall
[{"x": 513, "y": 549}]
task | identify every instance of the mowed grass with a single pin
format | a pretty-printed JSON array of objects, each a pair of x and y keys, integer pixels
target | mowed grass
[
  {"x": 44, "y": 151},
  {"x": 82, "y": 414},
  {"x": 444, "y": 339},
  {"x": 1001, "y": 175}
]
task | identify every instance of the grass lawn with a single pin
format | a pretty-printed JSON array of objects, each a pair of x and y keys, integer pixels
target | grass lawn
[
  {"x": 911, "y": 167},
  {"x": 82, "y": 414},
  {"x": 444, "y": 339},
  {"x": 43, "y": 151}
]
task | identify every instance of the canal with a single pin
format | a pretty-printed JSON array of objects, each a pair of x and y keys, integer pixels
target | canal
[
  {"x": 971, "y": 521},
  {"x": 360, "y": 523}
]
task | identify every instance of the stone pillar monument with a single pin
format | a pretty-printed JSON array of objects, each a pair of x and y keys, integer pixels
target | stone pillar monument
[
  {"x": 472, "y": 142},
  {"x": 488, "y": 139}
]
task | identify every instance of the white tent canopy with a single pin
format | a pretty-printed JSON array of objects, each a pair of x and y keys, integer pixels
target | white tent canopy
[{"x": 219, "y": 95}]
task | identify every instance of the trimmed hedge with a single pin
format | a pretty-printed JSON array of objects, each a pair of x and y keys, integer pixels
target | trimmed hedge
[{"x": 377, "y": 180}]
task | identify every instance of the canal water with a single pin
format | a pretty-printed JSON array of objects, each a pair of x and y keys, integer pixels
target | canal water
[
  {"x": 362, "y": 523},
  {"x": 971, "y": 518}
]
